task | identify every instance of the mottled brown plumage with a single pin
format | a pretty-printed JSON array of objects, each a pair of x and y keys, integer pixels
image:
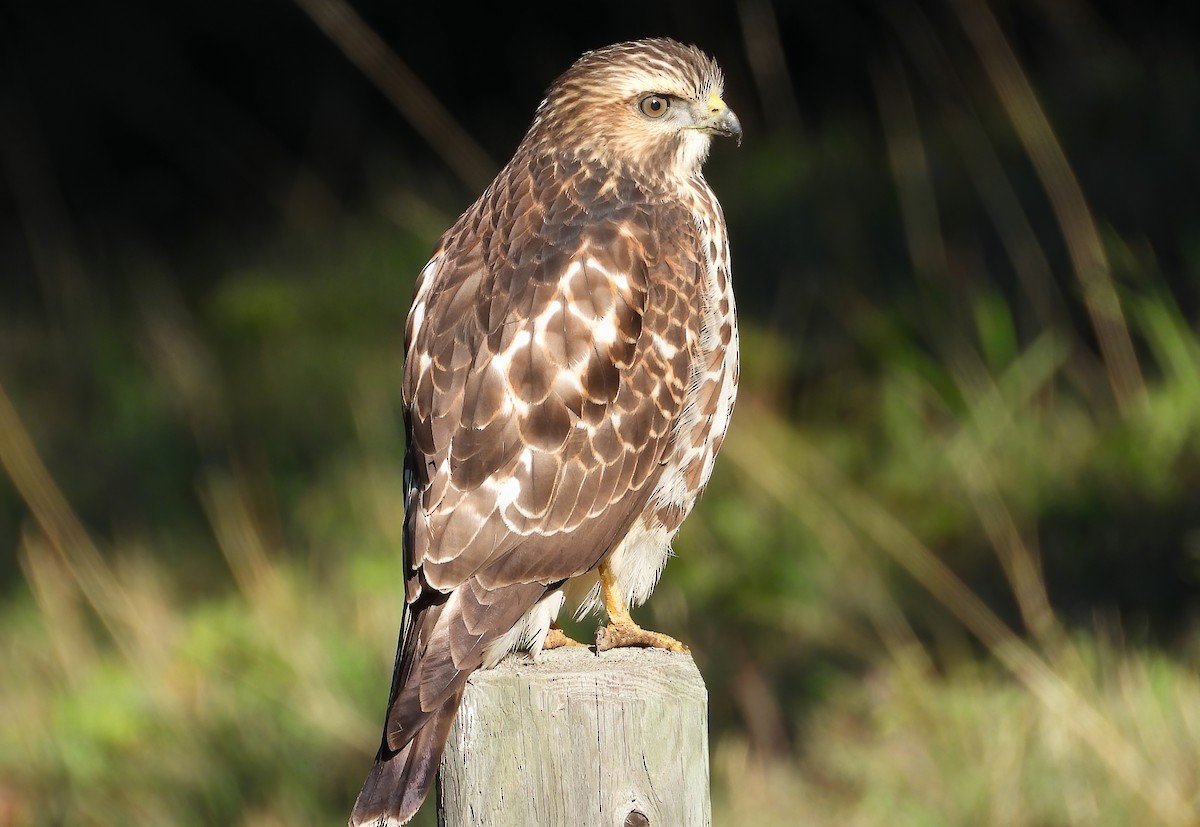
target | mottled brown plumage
[{"x": 571, "y": 365}]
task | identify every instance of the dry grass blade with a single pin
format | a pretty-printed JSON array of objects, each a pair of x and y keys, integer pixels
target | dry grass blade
[
  {"x": 65, "y": 533},
  {"x": 1074, "y": 217},
  {"x": 910, "y": 169},
  {"x": 56, "y": 591},
  {"x": 239, "y": 537},
  {"x": 924, "y": 47},
  {"x": 404, "y": 89},
  {"x": 768, "y": 63},
  {"x": 991, "y": 419}
]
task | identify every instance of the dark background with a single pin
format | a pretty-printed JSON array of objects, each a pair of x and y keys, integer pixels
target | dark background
[{"x": 161, "y": 128}]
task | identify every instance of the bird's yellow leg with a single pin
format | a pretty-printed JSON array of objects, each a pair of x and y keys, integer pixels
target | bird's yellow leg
[
  {"x": 556, "y": 638},
  {"x": 621, "y": 630}
]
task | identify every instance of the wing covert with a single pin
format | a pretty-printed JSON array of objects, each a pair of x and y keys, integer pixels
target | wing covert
[{"x": 541, "y": 383}]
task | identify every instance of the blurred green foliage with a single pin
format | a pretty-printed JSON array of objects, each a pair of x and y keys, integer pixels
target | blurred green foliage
[{"x": 921, "y": 383}]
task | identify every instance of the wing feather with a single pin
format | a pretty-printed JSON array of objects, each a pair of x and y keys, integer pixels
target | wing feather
[{"x": 550, "y": 360}]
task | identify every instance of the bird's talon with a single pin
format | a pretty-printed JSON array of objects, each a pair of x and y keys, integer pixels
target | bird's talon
[
  {"x": 619, "y": 635},
  {"x": 557, "y": 638},
  {"x": 621, "y": 631}
]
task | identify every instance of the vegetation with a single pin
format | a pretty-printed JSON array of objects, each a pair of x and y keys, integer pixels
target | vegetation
[{"x": 945, "y": 573}]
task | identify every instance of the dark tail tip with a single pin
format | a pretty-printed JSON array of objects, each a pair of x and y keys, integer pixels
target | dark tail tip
[{"x": 398, "y": 783}]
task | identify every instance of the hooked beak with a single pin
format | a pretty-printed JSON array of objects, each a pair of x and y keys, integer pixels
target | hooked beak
[{"x": 719, "y": 119}]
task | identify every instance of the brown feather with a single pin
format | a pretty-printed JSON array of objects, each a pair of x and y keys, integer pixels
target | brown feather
[{"x": 553, "y": 367}]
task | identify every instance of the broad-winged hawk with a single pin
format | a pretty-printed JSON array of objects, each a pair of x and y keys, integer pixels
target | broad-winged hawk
[{"x": 571, "y": 366}]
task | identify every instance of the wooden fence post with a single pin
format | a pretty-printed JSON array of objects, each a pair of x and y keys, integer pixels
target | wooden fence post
[{"x": 618, "y": 739}]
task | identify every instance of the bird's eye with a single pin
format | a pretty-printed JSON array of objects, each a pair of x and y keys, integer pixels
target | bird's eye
[{"x": 654, "y": 106}]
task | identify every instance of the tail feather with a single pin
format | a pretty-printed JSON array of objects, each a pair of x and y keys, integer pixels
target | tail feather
[{"x": 399, "y": 781}]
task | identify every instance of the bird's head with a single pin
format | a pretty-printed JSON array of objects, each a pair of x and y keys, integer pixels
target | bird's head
[{"x": 649, "y": 107}]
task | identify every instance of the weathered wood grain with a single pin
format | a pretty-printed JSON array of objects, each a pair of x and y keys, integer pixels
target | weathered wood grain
[{"x": 580, "y": 740}]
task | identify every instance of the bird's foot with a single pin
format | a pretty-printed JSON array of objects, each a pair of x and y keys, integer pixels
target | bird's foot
[
  {"x": 557, "y": 638},
  {"x": 621, "y": 630},
  {"x": 624, "y": 632}
]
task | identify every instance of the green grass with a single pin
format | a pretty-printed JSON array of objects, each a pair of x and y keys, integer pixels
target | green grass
[
  {"x": 909, "y": 746},
  {"x": 855, "y": 679}
]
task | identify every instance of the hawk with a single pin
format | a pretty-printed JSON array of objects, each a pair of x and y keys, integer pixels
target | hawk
[{"x": 570, "y": 370}]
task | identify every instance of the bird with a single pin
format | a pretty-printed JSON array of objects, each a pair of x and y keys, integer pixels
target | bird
[{"x": 571, "y": 366}]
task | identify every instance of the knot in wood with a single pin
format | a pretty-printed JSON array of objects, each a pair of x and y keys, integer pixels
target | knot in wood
[{"x": 637, "y": 819}]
